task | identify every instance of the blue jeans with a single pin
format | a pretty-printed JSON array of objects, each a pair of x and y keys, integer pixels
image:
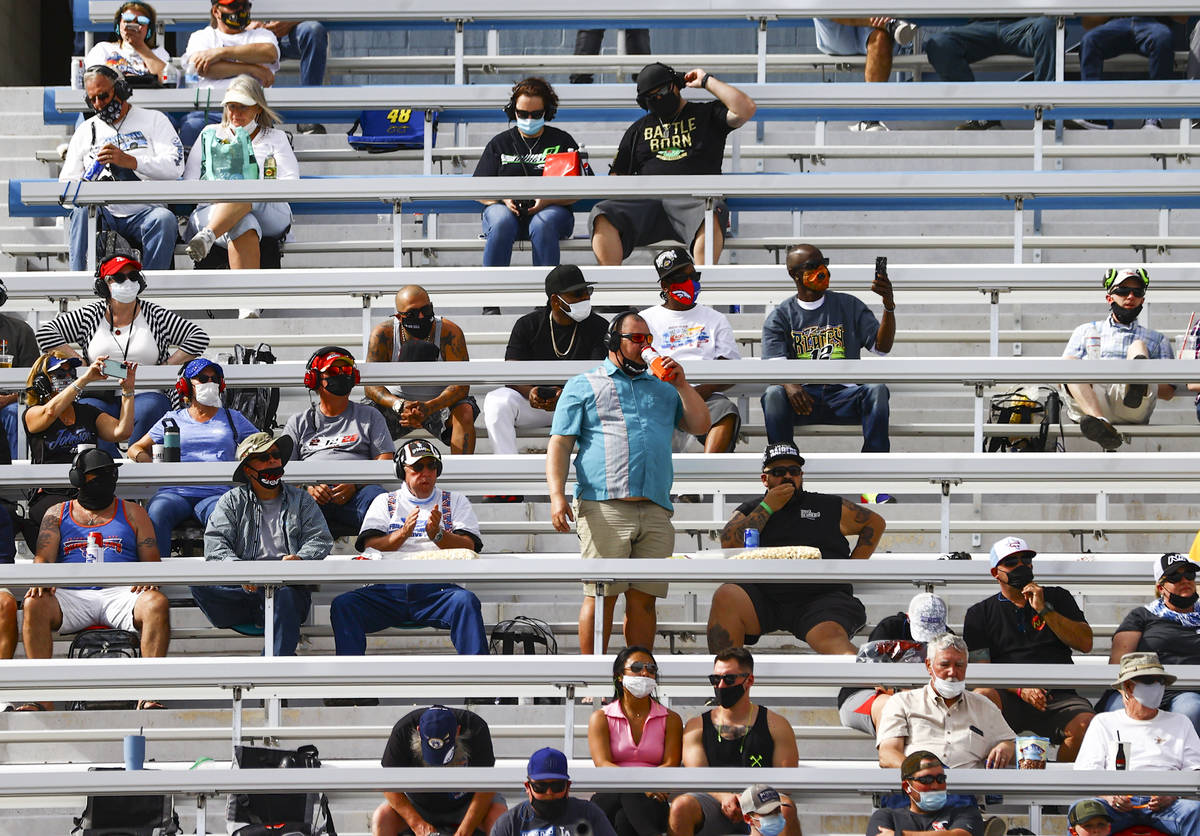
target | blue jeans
[
  {"x": 348, "y": 518},
  {"x": 308, "y": 42},
  {"x": 1186, "y": 703},
  {"x": 952, "y": 52},
  {"x": 8, "y": 417},
  {"x": 227, "y": 606},
  {"x": 1144, "y": 35},
  {"x": 382, "y": 605},
  {"x": 832, "y": 404},
  {"x": 168, "y": 508},
  {"x": 1182, "y": 817},
  {"x": 544, "y": 230},
  {"x": 194, "y": 122},
  {"x": 148, "y": 407},
  {"x": 153, "y": 230}
]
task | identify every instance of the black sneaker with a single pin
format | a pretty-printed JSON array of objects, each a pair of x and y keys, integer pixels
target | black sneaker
[
  {"x": 310, "y": 128},
  {"x": 1135, "y": 393},
  {"x": 979, "y": 125},
  {"x": 1100, "y": 431}
]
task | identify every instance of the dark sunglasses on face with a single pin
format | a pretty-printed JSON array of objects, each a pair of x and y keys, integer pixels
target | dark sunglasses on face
[
  {"x": 638, "y": 339},
  {"x": 1138, "y": 292},
  {"x": 1180, "y": 574},
  {"x": 644, "y": 667},
  {"x": 100, "y": 99},
  {"x": 809, "y": 266},
  {"x": 788, "y": 470},
  {"x": 418, "y": 467},
  {"x": 530, "y": 114},
  {"x": 927, "y": 780},
  {"x": 211, "y": 377},
  {"x": 1015, "y": 561},
  {"x": 125, "y": 277},
  {"x": 728, "y": 679},
  {"x": 547, "y": 786},
  {"x": 270, "y": 455},
  {"x": 130, "y": 17}
]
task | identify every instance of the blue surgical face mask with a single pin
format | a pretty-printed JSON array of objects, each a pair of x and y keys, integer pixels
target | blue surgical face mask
[
  {"x": 771, "y": 825},
  {"x": 931, "y": 800},
  {"x": 529, "y": 127}
]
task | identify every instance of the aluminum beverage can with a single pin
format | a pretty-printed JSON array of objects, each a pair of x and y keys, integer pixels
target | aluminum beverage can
[
  {"x": 94, "y": 170},
  {"x": 750, "y": 538}
]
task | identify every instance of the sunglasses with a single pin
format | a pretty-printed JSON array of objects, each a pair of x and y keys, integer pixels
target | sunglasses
[
  {"x": 1138, "y": 292},
  {"x": 785, "y": 470},
  {"x": 130, "y": 17},
  {"x": 270, "y": 455},
  {"x": 211, "y": 377},
  {"x": 420, "y": 467},
  {"x": 644, "y": 667},
  {"x": 530, "y": 114},
  {"x": 548, "y": 786},
  {"x": 1180, "y": 574},
  {"x": 99, "y": 99},
  {"x": 135, "y": 276},
  {"x": 638, "y": 339},
  {"x": 1015, "y": 561},
  {"x": 727, "y": 679},
  {"x": 927, "y": 780},
  {"x": 809, "y": 266}
]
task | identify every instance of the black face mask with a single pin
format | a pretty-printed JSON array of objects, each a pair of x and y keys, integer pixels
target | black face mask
[
  {"x": 339, "y": 384},
  {"x": 664, "y": 106},
  {"x": 549, "y": 809},
  {"x": 110, "y": 114},
  {"x": 631, "y": 367},
  {"x": 1021, "y": 576},
  {"x": 418, "y": 323},
  {"x": 1182, "y": 602},
  {"x": 1125, "y": 316},
  {"x": 238, "y": 19},
  {"x": 97, "y": 493},
  {"x": 728, "y": 697},
  {"x": 268, "y": 477}
]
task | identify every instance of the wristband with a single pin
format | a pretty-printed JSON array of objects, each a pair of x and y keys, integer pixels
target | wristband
[
  {"x": 892, "y": 309},
  {"x": 767, "y": 507},
  {"x": 398, "y": 405},
  {"x": 125, "y": 394},
  {"x": 77, "y": 388},
  {"x": 704, "y": 81}
]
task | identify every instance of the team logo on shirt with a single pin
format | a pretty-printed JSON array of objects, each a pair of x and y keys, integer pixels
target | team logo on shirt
[
  {"x": 669, "y": 140},
  {"x": 685, "y": 336},
  {"x": 332, "y": 442},
  {"x": 820, "y": 342}
]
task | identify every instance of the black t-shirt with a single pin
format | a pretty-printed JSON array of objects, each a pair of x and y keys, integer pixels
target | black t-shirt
[
  {"x": 691, "y": 143},
  {"x": 809, "y": 519},
  {"x": 1175, "y": 643},
  {"x": 948, "y": 818},
  {"x": 57, "y": 443},
  {"x": 1018, "y": 634},
  {"x": 509, "y": 154},
  {"x": 474, "y": 742},
  {"x": 531, "y": 338}
]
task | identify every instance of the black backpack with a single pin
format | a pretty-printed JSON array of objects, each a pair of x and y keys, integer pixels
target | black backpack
[
  {"x": 128, "y": 815},
  {"x": 523, "y": 636},
  {"x": 281, "y": 814},
  {"x": 104, "y": 643},
  {"x": 258, "y": 405}
]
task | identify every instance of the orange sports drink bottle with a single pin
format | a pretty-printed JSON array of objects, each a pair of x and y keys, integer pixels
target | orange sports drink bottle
[{"x": 657, "y": 364}]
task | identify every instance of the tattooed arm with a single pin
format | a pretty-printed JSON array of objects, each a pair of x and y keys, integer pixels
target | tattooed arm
[
  {"x": 454, "y": 347},
  {"x": 866, "y": 524},
  {"x": 379, "y": 350},
  {"x": 47, "y": 546},
  {"x": 776, "y": 498}
]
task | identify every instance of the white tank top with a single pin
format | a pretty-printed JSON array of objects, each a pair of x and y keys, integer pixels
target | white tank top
[{"x": 135, "y": 343}]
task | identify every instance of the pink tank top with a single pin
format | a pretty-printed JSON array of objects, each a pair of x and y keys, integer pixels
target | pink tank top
[{"x": 649, "y": 750}]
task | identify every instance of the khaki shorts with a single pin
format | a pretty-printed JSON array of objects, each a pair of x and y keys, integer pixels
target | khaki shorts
[
  {"x": 615, "y": 528},
  {"x": 1110, "y": 397}
]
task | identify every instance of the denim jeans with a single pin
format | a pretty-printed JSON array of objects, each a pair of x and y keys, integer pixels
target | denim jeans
[
  {"x": 543, "y": 229},
  {"x": 953, "y": 51},
  {"x": 1182, "y": 817},
  {"x": 308, "y": 42},
  {"x": 344, "y": 519},
  {"x": 168, "y": 508},
  {"x": 148, "y": 407},
  {"x": 195, "y": 121},
  {"x": 1144, "y": 35},
  {"x": 153, "y": 230},
  {"x": 1186, "y": 703},
  {"x": 228, "y": 606},
  {"x": 379, "y": 606},
  {"x": 8, "y": 417},
  {"x": 867, "y": 404}
]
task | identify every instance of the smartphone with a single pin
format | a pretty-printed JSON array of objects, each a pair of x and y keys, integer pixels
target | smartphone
[
  {"x": 545, "y": 392},
  {"x": 116, "y": 370},
  {"x": 881, "y": 265}
]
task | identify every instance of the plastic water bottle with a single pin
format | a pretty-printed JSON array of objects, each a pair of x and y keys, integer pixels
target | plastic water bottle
[
  {"x": 750, "y": 538},
  {"x": 269, "y": 167},
  {"x": 95, "y": 547},
  {"x": 170, "y": 440},
  {"x": 657, "y": 364}
]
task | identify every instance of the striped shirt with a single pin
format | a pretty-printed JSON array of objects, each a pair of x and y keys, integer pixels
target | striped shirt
[
  {"x": 78, "y": 326},
  {"x": 624, "y": 427}
]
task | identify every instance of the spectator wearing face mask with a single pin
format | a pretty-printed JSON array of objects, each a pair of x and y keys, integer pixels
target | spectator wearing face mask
[
  {"x": 209, "y": 431},
  {"x": 762, "y": 809},
  {"x": 923, "y": 780},
  {"x": 550, "y": 808},
  {"x": 521, "y": 151},
  {"x": 124, "y": 142},
  {"x": 416, "y": 335}
]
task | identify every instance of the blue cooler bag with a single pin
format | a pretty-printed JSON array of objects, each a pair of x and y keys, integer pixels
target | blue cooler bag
[{"x": 390, "y": 130}]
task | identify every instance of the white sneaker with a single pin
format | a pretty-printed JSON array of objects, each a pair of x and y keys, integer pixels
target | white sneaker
[
  {"x": 869, "y": 125},
  {"x": 249, "y": 313},
  {"x": 200, "y": 244},
  {"x": 1152, "y": 123},
  {"x": 902, "y": 31}
]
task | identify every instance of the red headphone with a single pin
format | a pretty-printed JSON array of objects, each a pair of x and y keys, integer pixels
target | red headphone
[
  {"x": 183, "y": 385},
  {"x": 314, "y": 367}
]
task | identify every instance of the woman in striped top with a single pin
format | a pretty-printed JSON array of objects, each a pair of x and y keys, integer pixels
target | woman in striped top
[{"x": 128, "y": 329}]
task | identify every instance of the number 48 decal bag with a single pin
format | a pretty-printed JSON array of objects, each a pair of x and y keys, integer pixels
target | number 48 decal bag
[{"x": 379, "y": 131}]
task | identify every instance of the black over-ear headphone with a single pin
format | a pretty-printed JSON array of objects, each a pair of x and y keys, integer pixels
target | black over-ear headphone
[
  {"x": 312, "y": 378},
  {"x": 100, "y": 287},
  {"x": 549, "y": 102},
  {"x": 121, "y": 88},
  {"x": 76, "y": 476},
  {"x": 677, "y": 79},
  {"x": 614, "y": 329}
]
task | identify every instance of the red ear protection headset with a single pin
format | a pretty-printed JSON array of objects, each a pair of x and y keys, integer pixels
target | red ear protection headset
[
  {"x": 314, "y": 367},
  {"x": 183, "y": 384}
]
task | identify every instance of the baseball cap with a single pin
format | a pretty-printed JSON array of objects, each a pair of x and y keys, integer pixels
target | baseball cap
[
  {"x": 413, "y": 451},
  {"x": 653, "y": 76},
  {"x": 547, "y": 765},
  {"x": 438, "y": 728},
  {"x": 760, "y": 799},
  {"x": 198, "y": 365},
  {"x": 55, "y": 363},
  {"x": 1086, "y": 809},
  {"x": 237, "y": 97},
  {"x": 566, "y": 278},
  {"x": 93, "y": 459},
  {"x": 1114, "y": 277},
  {"x": 783, "y": 450},
  {"x": 1169, "y": 561},
  {"x": 912, "y": 764},
  {"x": 674, "y": 260},
  {"x": 116, "y": 263},
  {"x": 926, "y": 616},
  {"x": 1007, "y": 547}
]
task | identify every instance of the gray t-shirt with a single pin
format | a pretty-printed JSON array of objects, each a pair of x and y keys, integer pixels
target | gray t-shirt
[
  {"x": 838, "y": 330},
  {"x": 274, "y": 544},
  {"x": 359, "y": 432}
]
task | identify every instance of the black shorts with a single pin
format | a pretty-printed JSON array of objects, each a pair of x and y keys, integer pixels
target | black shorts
[
  {"x": 803, "y": 614},
  {"x": 642, "y": 222},
  {"x": 437, "y": 424},
  {"x": 1062, "y": 707},
  {"x": 442, "y": 819}
]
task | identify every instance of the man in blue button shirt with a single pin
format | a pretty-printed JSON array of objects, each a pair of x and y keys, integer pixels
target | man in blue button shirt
[{"x": 623, "y": 418}]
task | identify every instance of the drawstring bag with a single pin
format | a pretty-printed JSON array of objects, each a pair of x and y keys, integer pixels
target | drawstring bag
[{"x": 391, "y": 130}]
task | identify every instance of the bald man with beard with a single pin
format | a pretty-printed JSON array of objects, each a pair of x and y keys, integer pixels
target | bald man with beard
[{"x": 416, "y": 335}]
